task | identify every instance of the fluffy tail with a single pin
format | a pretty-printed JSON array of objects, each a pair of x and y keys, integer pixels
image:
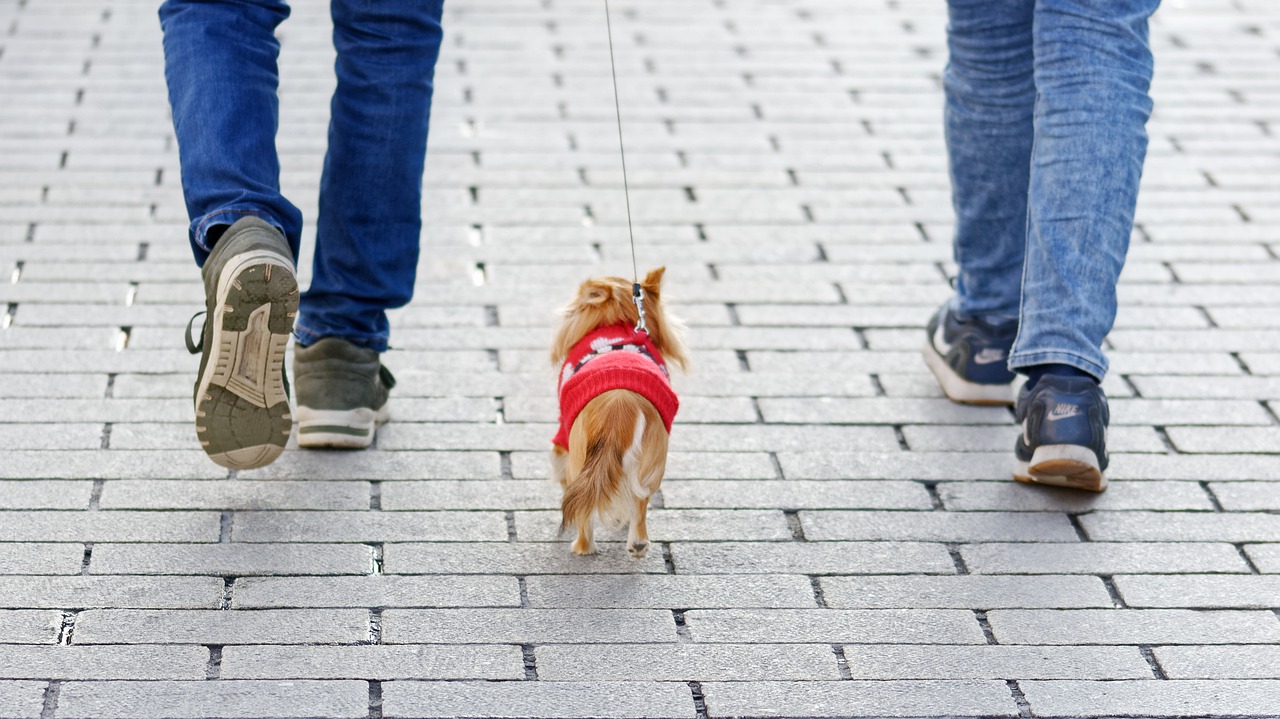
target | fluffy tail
[{"x": 598, "y": 443}]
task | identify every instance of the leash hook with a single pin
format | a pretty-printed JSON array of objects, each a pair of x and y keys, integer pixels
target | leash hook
[{"x": 637, "y": 296}]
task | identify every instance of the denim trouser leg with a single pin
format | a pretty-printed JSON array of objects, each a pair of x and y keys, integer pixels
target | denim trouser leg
[
  {"x": 1091, "y": 73},
  {"x": 990, "y": 98},
  {"x": 371, "y": 192},
  {"x": 220, "y": 65}
]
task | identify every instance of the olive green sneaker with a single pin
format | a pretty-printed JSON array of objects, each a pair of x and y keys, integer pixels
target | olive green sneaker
[
  {"x": 342, "y": 393},
  {"x": 241, "y": 394}
]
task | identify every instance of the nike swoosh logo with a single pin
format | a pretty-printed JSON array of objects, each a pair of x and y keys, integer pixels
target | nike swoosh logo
[
  {"x": 988, "y": 356},
  {"x": 939, "y": 341}
]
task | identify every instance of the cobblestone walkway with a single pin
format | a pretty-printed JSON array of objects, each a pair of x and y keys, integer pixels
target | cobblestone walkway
[{"x": 835, "y": 538}]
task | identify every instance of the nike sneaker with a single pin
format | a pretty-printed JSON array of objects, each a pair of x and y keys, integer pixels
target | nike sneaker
[
  {"x": 970, "y": 357},
  {"x": 1064, "y": 433}
]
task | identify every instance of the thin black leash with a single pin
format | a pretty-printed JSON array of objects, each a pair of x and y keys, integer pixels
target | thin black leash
[{"x": 637, "y": 293}]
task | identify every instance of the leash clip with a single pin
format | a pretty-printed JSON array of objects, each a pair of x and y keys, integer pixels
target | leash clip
[{"x": 637, "y": 296}]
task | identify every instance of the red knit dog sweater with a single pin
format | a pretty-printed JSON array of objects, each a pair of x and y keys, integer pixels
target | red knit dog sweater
[{"x": 616, "y": 357}]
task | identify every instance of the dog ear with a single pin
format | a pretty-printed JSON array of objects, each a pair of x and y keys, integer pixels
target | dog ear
[
  {"x": 653, "y": 281},
  {"x": 593, "y": 293}
]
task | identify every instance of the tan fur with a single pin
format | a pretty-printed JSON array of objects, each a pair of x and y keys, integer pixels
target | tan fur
[{"x": 594, "y": 474}]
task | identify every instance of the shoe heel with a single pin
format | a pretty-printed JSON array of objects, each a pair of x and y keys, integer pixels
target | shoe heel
[{"x": 1063, "y": 465}]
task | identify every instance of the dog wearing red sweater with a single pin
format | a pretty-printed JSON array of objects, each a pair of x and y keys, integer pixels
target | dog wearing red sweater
[{"x": 616, "y": 406}]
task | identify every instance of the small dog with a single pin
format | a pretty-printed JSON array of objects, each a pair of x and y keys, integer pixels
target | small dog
[{"x": 616, "y": 406}]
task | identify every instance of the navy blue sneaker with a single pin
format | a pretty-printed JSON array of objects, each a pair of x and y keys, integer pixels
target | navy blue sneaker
[
  {"x": 970, "y": 357},
  {"x": 1064, "y": 433}
]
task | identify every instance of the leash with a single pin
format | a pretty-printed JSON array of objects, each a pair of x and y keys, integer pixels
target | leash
[{"x": 637, "y": 292}]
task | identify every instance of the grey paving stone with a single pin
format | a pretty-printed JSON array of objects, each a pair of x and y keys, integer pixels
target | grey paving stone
[
  {"x": 502, "y": 558},
  {"x": 838, "y": 626},
  {"x": 686, "y": 662},
  {"x": 372, "y": 662},
  {"x": 1182, "y": 527},
  {"x": 41, "y": 494},
  {"x": 375, "y": 591},
  {"x": 1204, "y": 591},
  {"x": 1194, "y": 467},
  {"x": 986, "y": 496},
  {"x": 108, "y": 464},
  {"x": 538, "y": 700},
  {"x": 231, "y": 559},
  {"x": 1133, "y": 626},
  {"x": 111, "y": 592},
  {"x": 1247, "y": 496},
  {"x": 1265, "y": 556},
  {"x": 65, "y": 435},
  {"x": 774, "y": 438},
  {"x": 368, "y": 526},
  {"x": 795, "y": 494},
  {"x": 22, "y": 626},
  {"x": 812, "y": 558},
  {"x": 236, "y": 494},
  {"x": 59, "y": 526},
  {"x": 994, "y": 662},
  {"x": 614, "y": 592},
  {"x": 1220, "y": 662},
  {"x": 470, "y": 495},
  {"x": 671, "y": 525},
  {"x": 214, "y": 700},
  {"x": 895, "y": 465},
  {"x": 377, "y": 465},
  {"x": 964, "y": 592},
  {"x": 963, "y": 698},
  {"x": 938, "y": 526},
  {"x": 1102, "y": 558},
  {"x": 22, "y": 700},
  {"x": 41, "y": 558},
  {"x": 878, "y": 410},
  {"x": 103, "y": 662},
  {"x": 257, "y": 626},
  {"x": 1183, "y": 698},
  {"x": 1225, "y": 440},
  {"x": 526, "y": 626}
]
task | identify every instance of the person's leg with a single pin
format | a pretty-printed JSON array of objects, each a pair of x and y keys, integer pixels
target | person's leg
[
  {"x": 370, "y": 216},
  {"x": 1093, "y": 70},
  {"x": 220, "y": 66},
  {"x": 371, "y": 192},
  {"x": 990, "y": 97}
]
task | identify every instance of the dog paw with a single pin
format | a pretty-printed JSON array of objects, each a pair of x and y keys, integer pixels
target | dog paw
[
  {"x": 639, "y": 550},
  {"x": 582, "y": 549}
]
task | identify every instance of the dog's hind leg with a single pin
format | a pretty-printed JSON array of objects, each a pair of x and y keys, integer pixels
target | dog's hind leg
[{"x": 638, "y": 534}]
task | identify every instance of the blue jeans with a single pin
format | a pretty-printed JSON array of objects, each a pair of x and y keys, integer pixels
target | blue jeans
[
  {"x": 220, "y": 64},
  {"x": 1046, "y": 108}
]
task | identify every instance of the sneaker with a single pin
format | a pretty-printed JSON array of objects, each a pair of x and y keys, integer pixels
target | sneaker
[
  {"x": 1064, "y": 433},
  {"x": 241, "y": 393},
  {"x": 342, "y": 394},
  {"x": 969, "y": 356}
]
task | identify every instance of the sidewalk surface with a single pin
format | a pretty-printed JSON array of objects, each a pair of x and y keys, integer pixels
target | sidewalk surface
[{"x": 834, "y": 539}]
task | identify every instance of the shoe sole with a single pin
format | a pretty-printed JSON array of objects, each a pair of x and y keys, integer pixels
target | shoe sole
[
  {"x": 1063, "y": 465},
  {"x": 243, "y": 419},
  {"x": 341, "y": 429},
  {"x": 958, "y": 389}
]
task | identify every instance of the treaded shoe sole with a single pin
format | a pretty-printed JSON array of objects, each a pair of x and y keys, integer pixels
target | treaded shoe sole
[
  {"x": 958, "y": 389},
  {"x": 345, "y": 429},
  {"x": 242, "y": 410},
  {"x": 1062, "y": 465}
]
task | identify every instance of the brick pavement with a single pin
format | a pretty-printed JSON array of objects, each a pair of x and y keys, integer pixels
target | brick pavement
[{"x": 836, "y": 539}]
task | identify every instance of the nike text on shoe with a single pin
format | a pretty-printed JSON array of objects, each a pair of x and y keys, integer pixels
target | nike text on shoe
[
  {"x": 1064, "y": 433},
  {"x": 342, "y": 394},
  {"x": 970, "y": 356},
  {"x": 241, "y": 394}
]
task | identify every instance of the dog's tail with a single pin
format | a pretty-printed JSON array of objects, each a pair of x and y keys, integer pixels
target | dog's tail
[{"x": 599, "y": 441}]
